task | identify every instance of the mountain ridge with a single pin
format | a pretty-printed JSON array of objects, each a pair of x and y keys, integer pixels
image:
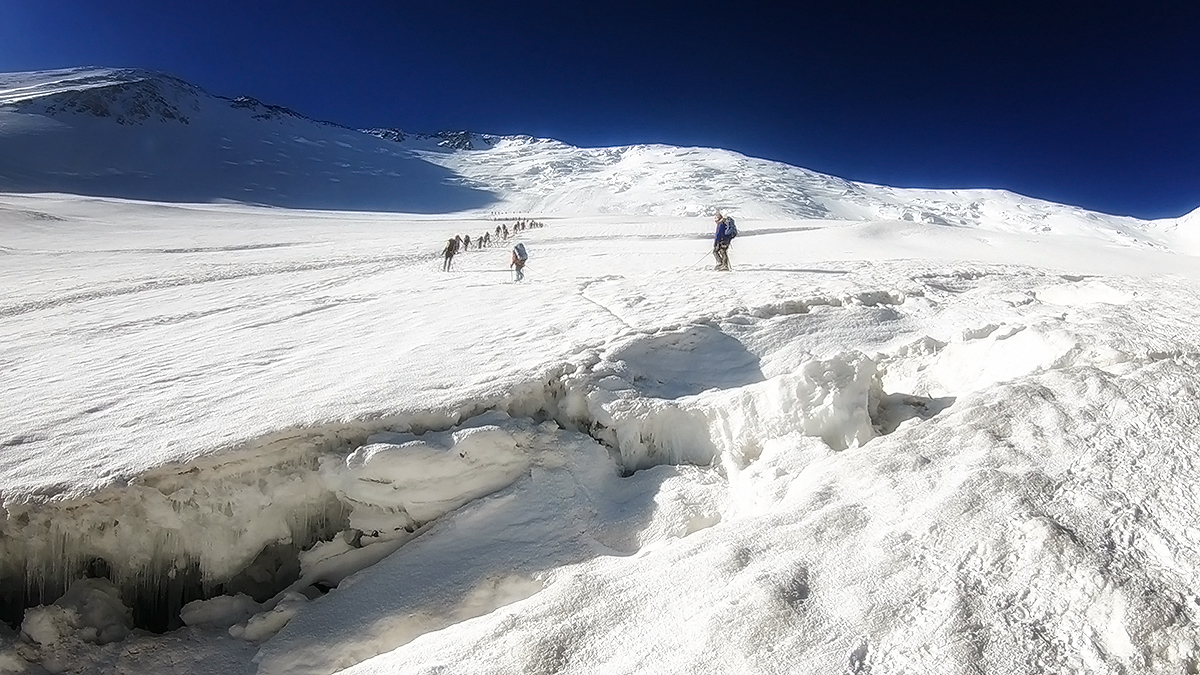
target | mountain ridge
[{"x": 141, "y": 134}]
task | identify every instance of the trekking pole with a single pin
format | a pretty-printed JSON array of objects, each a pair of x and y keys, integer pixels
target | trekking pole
[{"x": 699, "y": 261}]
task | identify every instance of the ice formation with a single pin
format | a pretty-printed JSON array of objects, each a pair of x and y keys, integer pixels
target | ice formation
[{"x": 250, "y": 528}]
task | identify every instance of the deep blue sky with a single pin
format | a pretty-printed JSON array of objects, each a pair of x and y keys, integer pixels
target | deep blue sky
[{"x": 1083, "y": 101}]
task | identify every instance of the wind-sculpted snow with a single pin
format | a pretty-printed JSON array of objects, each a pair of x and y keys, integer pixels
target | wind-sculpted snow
[{"x": 952, "y": 546}]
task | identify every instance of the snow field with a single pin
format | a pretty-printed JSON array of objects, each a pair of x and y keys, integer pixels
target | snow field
[{"x": 857, "y": 451}]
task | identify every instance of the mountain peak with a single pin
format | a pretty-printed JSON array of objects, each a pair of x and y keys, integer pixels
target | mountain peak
[
  {"x": 444, "y": 140},
  {"x": 268, "y": 111},
  {"x": 129, "y": 96}
]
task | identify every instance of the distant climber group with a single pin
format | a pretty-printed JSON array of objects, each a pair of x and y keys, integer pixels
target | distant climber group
[
  {"x": 722, "y": 238},
  {"x": 458, "y": 243}
]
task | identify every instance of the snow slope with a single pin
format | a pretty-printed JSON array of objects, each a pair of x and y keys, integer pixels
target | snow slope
[
  {"x": 135, "y": 134},
  {"x": 913, "y": 431},
  {"x": 549, "y": 177},
  {"x": 142, "y": 135},
  {"x": 1183, "y": 233}
]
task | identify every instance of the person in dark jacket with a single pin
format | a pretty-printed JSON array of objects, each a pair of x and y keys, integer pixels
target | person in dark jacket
[
  {"x": 721, "y": 243},
  {"x": 448, "y": 252}
]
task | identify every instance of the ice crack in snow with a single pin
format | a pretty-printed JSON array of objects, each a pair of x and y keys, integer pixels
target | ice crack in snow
[{"x": 242, "y": 524}]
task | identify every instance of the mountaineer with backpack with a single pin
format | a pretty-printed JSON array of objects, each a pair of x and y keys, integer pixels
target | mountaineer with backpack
[
  {"x": 726, "y": 231},
  {"x": 519, "y": 256}
]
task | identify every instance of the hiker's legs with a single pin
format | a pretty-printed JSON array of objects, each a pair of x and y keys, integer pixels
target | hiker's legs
[{"x": 721, "y": 252}]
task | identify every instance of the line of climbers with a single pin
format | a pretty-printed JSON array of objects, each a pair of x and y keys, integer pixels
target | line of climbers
[
  {"x": 459, "y": 243},
  {"x": 722, "y": 238},
  {"x": 521, "y": 225}
]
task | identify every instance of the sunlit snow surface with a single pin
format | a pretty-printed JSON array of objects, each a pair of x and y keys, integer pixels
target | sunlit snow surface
[{"x": 885, "y": 447}]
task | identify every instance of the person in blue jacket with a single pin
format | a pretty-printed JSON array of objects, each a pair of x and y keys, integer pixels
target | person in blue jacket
[{"x": 721, "y": 240}]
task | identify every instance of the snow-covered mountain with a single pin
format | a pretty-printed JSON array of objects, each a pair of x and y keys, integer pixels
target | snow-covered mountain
[
  {"x": 913, "y": 431},
  {"x": 1181, "y": 234},
  {"x": 140, "y": 135},
  {"x": 136, "y": 134}
]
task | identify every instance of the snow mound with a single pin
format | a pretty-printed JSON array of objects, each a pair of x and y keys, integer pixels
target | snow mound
[
  {"x": 428, "y": 476},
  {"x": 222, "y": 611},
  {"x": 834, "y": 400},
  {"x": 266, "y": 624},
  {"x": 91, "y": 611},
  {"x": 1082, "y": 293}
]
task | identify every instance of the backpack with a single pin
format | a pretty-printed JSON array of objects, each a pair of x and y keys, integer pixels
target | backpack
[
  {"x": 519, "y": 249},
  {"x": 730, "y": 228}
]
